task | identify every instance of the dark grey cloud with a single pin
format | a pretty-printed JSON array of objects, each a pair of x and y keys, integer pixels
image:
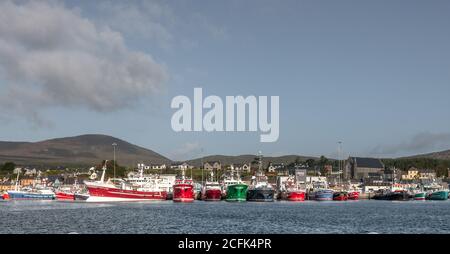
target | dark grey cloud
[
  {"x": 423, "y": 142},
  {"x": 52, "y": 56}
]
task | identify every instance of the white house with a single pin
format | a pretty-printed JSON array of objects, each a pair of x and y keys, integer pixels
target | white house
[
  {"x": 276, "y": 167},
  {"x": 180, "y": 165},
  {"x": 159, "y": 167},
  {"x": 241, "y": 167}
]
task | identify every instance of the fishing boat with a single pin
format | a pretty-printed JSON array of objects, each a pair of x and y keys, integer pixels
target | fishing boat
[
  {"x": 294, "y": 192},
  {"x": 260, "y": 190},
  {"x": 233, "y": 188},
  {"x": 67, "y": 193},
  {"x": 212, "y": 190},
  {"x": 32, "y": 193},
  {"x": 138, "y": 188},
  {"x": 438, "y": 195},
  {"x": 340, "y": 196},
  {"x": 320, "y": 192},
  {"x": 183, "y": 189}
]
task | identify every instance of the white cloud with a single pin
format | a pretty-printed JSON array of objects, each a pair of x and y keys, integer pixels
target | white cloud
[{"x": 52, "y": 56}]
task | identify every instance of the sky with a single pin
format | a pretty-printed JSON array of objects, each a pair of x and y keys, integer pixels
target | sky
[{"x": 374, "y": 75}]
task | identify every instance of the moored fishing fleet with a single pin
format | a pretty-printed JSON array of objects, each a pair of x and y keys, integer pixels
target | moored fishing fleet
[{"x": 295, "y": 187}]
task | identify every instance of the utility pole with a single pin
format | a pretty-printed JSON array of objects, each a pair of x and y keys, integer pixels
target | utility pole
[{"x": 114, "y": 165}]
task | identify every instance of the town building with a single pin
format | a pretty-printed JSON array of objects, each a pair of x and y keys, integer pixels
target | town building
[
  {"x": 180, "y": 166},
  {"x": 411, "y": 174},
  {"x": 159, "y": 166},
  {"x": 212, "y": 165},
  {"x": 359, "y": 167},
  {"x": 241, "y": 167},
  {"x": 276, "y": 167}
]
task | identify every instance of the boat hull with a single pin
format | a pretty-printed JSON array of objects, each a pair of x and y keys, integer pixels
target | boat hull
[
  {"x": 323, "y": 195},
  {"x": 237, "y": 193},
  {"x": 354, "y": 195},
  {"x": 213, "y": 195},
  {"x": 183, "y": 193},
  {"x": 64, "y": 196},
  {"x": 30, "y": 195},
  {"x": 420, "y": 196},
  {"x": 340, "y": 196},
  {"x": 393, "y": 196},
  {"x": 260, "y": 195},
  {"x": 295, "y": 196},
  {"x": 81, "y": 196},
  {"x": 438, "y": 195},
  {"x": 108, "y": 194}
]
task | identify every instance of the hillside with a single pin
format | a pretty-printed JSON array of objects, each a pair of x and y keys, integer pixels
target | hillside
[
  {"x": 443, "y": 155},
  {"x": 84, "y": 150}
]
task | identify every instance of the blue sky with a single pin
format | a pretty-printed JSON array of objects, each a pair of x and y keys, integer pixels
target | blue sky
[{"x": 373, "y": 74}]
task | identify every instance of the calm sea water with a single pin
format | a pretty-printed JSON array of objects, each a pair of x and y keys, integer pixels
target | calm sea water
[{"x": 202, "y": 217}]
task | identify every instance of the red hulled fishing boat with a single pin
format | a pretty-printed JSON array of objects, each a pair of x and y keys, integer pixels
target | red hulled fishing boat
[
  {"x": 293, "y": 190},
  {"x": 140, "y": 189},
  {"x": 212, "y": 190},
  {"x": 183, "y": 189}
]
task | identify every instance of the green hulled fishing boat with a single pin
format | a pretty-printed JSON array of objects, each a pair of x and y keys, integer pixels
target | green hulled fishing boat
[
  {"x": 438, "y": 195},
  {"x": 234, "y": 189},
  {"x": 420, "y": 195},
  {"x": 237, "y": 192}
]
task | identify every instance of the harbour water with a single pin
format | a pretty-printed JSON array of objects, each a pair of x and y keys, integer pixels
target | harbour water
[{"x": 361, "y": 217}]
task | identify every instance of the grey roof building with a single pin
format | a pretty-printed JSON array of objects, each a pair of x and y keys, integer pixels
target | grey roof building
[{"x": 361, "y": 167}]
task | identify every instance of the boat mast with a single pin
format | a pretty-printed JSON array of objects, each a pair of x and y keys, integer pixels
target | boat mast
[
  {"x": 260, "y": 161},
  {"x": 102, "y": 179},
  {"x": 16, "y": 188}
]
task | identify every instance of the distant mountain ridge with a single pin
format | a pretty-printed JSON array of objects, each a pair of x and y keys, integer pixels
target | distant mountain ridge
[
  {"x": 442, "y": 155},
  {"x": 81, "y": 150}
]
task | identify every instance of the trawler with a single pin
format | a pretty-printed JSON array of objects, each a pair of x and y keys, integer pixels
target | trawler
[
  {"x": 212, "y": 190},
  {"x": 138, "y": 188},
  {"x": 320, "y": 192},
  {"x": 234, "y": 188},
  {"x": 36, "y": 192},
  {"x": 183, "y": 189},
  {"x": 293, "y": 190},
  {"x": 260, "y": 189}
]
